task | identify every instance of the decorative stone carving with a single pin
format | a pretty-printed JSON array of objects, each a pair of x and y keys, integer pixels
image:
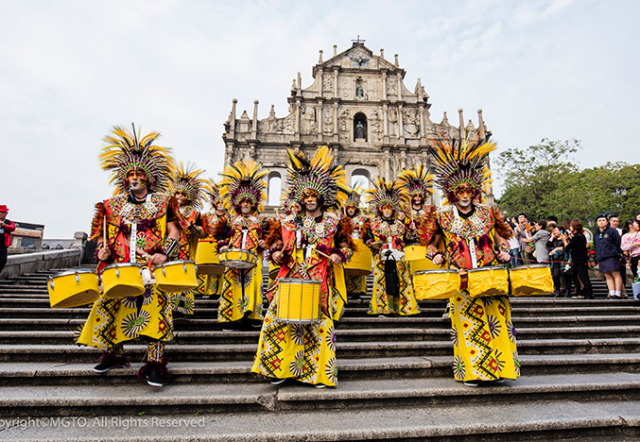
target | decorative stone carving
[
  {"x": 393, "y": 122},
  {"x": 376, "y": 133},
  {"x": 328, "y": 121},
  {"x": 344, "y": 127},
  {"x": 309, "y": 124},
  {"x": 346, "y": 91},
  {"x": 411, "y": 124},
  {"x": 327, "y": 85},
  {"x": 288, "y": 124},
  {"x": 359, "y": 58},
  {"x": 392, "y": 86}
]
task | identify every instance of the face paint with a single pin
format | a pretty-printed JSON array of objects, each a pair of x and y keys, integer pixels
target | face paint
[{"x": 387, "y": 212}]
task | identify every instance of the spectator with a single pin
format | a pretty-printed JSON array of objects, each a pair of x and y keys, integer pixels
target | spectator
[
  {"x": 6, "y": 227},
  {"x": 558, "y": 258},
  {"x": 539, "y": 239},
  {"x": 614, "y": 221},
  {"x": 576, "y": 244},
  {"x": 630, "y": 244},
  {"x": 607, "y": 243},
  {"x": 526, "y": 249}
]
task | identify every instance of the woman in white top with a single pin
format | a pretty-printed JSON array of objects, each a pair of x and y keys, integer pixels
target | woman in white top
[{"x": 630, "y": 244}]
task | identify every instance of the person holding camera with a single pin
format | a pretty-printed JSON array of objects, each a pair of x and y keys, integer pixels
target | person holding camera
[{"x": 575, "y": 243}]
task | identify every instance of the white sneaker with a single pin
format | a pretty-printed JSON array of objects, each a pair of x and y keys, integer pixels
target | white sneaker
[
  {"x": 320, "y": 386},
  {"x": 278, "y": 381},
  {"x": 473, "y": 384}
]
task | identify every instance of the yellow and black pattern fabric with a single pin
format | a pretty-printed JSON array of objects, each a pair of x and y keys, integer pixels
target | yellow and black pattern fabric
[
  {"x": 405, "y": 304},
  {"x": 484, "y": 339}
]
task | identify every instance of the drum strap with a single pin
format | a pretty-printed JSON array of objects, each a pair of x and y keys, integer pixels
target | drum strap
[
  {"x": 244, "y": 237},
  {"x": 133, "y": 242},
  {"x": 472, "y": 252}
]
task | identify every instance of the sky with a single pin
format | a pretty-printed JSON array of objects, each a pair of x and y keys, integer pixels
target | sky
[{"x": 70, "y": 70}]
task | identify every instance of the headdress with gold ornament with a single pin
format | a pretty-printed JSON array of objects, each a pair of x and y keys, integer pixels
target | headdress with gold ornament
[
  {"x": 243, "y": 180},
  {"x": 386, "y": 193},
  {"x": 212, "y": 192},
  {"x": 417, "y": 181},
  {"x": 127, "y": 151},
  {"x": 186, "y": 179},
  {"x": 461, "y": 164},
  {"x": 319, "y": 175}
]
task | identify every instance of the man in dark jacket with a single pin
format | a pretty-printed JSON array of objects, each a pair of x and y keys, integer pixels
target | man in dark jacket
[
  {"x": 607, "y": 242},
  {"x": 6, "y": 227}
]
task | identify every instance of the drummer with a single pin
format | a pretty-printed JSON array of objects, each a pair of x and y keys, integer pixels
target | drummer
[
  {"x": 210, "y": 285},
  {"x": 356, "y": 284},
  {"x": 186, "y": 191},
  {"x": 392, "y": 289},
  {"x": 314, "y": 244},
  {"x": 475, "y": 235},
  {"x": 140, "y": 228},
  {"x": 243, "y": 190}
]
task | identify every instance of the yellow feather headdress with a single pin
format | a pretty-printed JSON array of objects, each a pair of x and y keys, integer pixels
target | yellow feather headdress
[
  {"x": 212, "y": 191},
  {"x": 417, "y": 181},
  {"x": 316, "y": 174},
  {"x": 459, "y": 164},
  {"x": 244, "y": 180},
  {"x": 127, "y": 151},
  {"x": 186, "y": 179},
  {"x": 386, "y": 193}
]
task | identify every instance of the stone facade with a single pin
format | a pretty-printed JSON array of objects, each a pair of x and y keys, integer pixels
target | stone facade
[{"x": 359, "y": 106}]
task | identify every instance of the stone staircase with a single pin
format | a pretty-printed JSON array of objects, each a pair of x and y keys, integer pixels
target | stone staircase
[{"x": 580, "y": 379}]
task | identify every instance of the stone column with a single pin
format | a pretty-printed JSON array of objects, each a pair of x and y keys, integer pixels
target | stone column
[
  {"x": 319, "y": 119},
  {"x": 232, "y": 119},
  {"x": 384, "y": 85},
  {"x": 320, "y": 82},
  {"x": 421, "y": 111},
  {"x": 400, "y": 121},
  {"x": 385, "y": 122},
  {"x": 461, "y": 129},
  {"x": 399, "y": 86},
  {"x": 254, "y": 123},
  {"x": 335, "y": 83},
  {"x": 335, "y": 119}
]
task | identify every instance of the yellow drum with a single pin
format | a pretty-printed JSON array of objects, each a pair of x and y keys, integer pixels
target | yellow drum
[
  {"x": 207, "y": 259},
  {"x": 436, "y": 284},
  {"x": 415, "y": 256},
  {"x": 361, "y": 262},
  {"x": 176, "y": 276},
  {"x": 531, "y": 280},
  {"x": 299, "y": 301},
  {"x": 240, "y": 259},
  {"x": 488, "y": 281},
  {"x": 122, "y": 280},
  {"x": 73, "y": 288}
]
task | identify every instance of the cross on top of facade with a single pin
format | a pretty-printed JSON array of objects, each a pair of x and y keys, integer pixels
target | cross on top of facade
[{"x": 357, "y": 40}]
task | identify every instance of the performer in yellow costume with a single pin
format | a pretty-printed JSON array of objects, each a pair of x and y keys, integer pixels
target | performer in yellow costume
[
  {"x": 210, "y": 285},
  {"x": 314, "y": 244},
  {"x": 186, "y": 189},
  {"x": 475, "y": 235},
  {"x": 243, "y": 189},
  {"x": 356, "y": 284},
  {"x": 140, "y": 228},
  {"x": 385, "y": 235}
]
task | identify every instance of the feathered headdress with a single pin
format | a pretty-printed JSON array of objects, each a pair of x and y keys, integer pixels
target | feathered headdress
[
  {"x": 417, "y": 181},
  {"x": 330, "y": 182},
  {"x": 186, "y": 179},
  {"x": 354, "y": 197},
  {"x": 461, "y": 164},
  {"x": 127, "y": 151},
  {"x": 212, "y": 192},
  {"x": 386, "y": 193},
  {"x": 243, "y": 180}
]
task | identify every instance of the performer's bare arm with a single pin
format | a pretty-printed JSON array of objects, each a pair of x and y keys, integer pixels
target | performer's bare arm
[
  {"x": 172, "y": 232},
  {"x": 503, "y": 245}
]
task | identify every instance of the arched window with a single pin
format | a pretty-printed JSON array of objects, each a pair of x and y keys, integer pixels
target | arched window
[
  {"x": 361, "y": 178},
  {"x": 360, "y": 126},
  {"x": 274, "y": 189}
]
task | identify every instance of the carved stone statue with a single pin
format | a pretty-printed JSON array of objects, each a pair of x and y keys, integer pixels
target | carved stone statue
[
  {"x": 359, "y": 91},
  {"x": 359, "y": 130}
]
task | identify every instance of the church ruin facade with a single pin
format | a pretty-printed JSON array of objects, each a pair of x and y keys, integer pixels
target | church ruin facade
[{"x": 359, "y": 106}]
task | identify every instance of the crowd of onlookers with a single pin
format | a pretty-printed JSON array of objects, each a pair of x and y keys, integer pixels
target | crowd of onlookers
[{"x": 571, "y": 249}]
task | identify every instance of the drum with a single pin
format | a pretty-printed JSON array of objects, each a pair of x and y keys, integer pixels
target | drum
[
  {"x": 531, "y": 280},
  {"x": 73, "y": 288},
  {"x": 122, "y": 280},
  {"x": 361, "y": 262},
  {"x": 436, "y": 284},
  {"x": 207, "y": 259},
  {"x": 488, "y": 281},
  {"x": 240, "y": 259},
  {"x": 415, "y": 256},
  {"x": 298, "y": 301},
  {"x": 176, "y": 276}
]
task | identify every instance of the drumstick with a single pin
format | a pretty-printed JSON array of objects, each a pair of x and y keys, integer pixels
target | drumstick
[{"x": 323, "y": 254}]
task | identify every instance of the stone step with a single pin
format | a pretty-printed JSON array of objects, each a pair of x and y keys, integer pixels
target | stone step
[
  {"x": 59, "y": 373},
  {"x": 98, "y": 400},
  {"x": 500, "y": 422},
  {"x": 210, "y": 324},
  {"x": 48, "y": 337},
  {"x": 348, "y": 350}
]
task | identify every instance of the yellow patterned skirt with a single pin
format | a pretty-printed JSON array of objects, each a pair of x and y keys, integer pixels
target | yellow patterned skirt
[
  {"x": 184, "y": 302},
  {"x": 405, "y": 304},
  {"x": 356, "y": 284},
  {"x": 113, "y": 321},
  {"x": 484, "y": 339},
  {"x": 305, "y": 353},
  {"x": 233, "y": 305},
  {"x": 209, "y": 285}
]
